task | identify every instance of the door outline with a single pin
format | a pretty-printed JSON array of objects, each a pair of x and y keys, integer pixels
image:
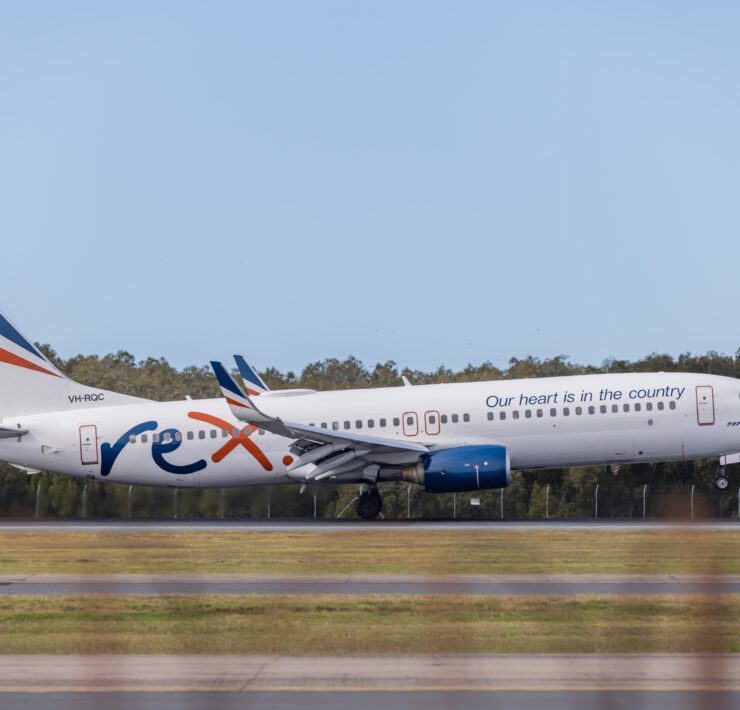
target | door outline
[
  {"x": 87, "y": 460},
  {"x": 698, "y": 412},
  {"x": 427, "y": 428},
  {"x": 415, "y": 424}
]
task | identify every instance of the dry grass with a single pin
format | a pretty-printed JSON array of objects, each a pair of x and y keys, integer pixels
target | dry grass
[
  {"x": 370, "y": 624},
  {"x": 375, "y": 552}
]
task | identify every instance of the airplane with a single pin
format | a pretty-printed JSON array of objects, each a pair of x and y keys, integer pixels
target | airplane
[{"x": 445, "y": 437}]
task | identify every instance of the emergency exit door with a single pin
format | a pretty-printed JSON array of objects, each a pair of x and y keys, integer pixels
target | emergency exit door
[
  {"x": 704, "y": 405},
  {"x": 88, "y": 444}
]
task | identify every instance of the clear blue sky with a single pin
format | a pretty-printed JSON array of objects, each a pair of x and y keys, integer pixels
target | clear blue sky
[{"x": 425, "y": 182}]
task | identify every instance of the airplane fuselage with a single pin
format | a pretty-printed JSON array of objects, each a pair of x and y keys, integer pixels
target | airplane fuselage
[{"x": 543, "y": 423}]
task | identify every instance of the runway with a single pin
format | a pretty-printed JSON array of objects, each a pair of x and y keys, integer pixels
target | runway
[
  {"x": 543, "y": 673},
  {"x": 245, "y": 584},
  {"x": 372, "y": 700},
  {"x": 262, "y": 525}
]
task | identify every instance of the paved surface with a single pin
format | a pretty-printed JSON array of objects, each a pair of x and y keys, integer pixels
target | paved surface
[
  {"x": 566, "y": 673},
  {"x": 516, "y": 585},
  {"x": 727, "y": 524},
  {"x": 371, "y": 700}
]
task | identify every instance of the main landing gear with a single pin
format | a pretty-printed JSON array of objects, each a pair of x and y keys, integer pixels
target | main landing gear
[
  {"x": 721, "y": 482},
  {"x": 369, "y": 504}
]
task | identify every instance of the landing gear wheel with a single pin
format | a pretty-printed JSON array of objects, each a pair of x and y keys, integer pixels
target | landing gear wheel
[
  {"x": 369, "y": 505},
  {"x": 721, "y": 483}
]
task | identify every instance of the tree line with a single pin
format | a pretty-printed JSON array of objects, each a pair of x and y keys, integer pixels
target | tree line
[{"x": 558, "y": 493}]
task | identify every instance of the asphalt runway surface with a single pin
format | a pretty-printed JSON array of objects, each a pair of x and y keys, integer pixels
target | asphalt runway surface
[
  {"x": 276, "y": 525},
  {"x": 370, "y": 700},
  {"x": 245, "y": 584}
]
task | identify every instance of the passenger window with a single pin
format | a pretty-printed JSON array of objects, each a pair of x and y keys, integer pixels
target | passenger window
[
  {"x": 144, "y": 438},
  {"x": 335, "y": 426},
  {"x": 661, "y": 406},
  {"x": 323, "y": 425},
  {"x": 489, "y": 416},
  {"x": 346, "y": 424},
  {"x": 466, "y": 417},
  {"x": 382, "y": 423},
  {"x": 190, "y": 436},
  {"x": 566, "y": 411},
  {"x": 178, "y": 436},
  {"x": 358, "y": 424},
  {"x": 409, "y": 421},
  {"x": 201, "y": 434},
  {"x": 615, "y": 408},
  {"x": 539, "y": 412},
  {"x": 454, "y": 418},
  {"x": 235, "y": 433},
  {"x": 396, "y": 421},
  {"x": 579, "y": 411},
  {"x": 443, "y": 419},
  {"x": 515, "y": 414},
  {"x": 638, "y": 406},
  {"x": 502, "y": 415},
  {"x": 649, "y": 406},
  {"x": 132, "y": 439},
  {"x": 527, "y": 413},
  {"x": 626, "y": 407},
  {"x": 214, "y": 433},
  {"x": 602, "y": 409},
  {"x": 370, "y": 423},
  {"x": 672, "y": 404},
  {"x": 155, "y": 438},
  {"x": 224, "y": 433},
  {"x": 553, "y": 412},
  {"x": 592, "y": 410}
]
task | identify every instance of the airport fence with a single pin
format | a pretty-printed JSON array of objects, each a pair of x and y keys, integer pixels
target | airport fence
[{"x": 52, "y": 496}]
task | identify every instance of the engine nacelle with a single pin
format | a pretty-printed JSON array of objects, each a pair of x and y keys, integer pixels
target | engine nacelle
[{"x": 463, "y": 468}]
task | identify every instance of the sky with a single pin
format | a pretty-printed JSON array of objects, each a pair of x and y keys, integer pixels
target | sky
[{"x": 430, "y": 183}]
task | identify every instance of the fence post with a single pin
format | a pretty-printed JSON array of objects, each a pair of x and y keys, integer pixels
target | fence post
[
  {"x": 84, "y": 501},
  {"x": 502, "y": 504},
  {"x": 644, "y": 499},
  {"x": 408, "y": 503},
  {"x": 547, "y": 501},
  {"x": 38, "y": 500},
  {"x": 314, "y": 506},
  {"x": 221, "y": 503},
  {"x": 692, "y": 501},
  {"x": 454, "y": 506},
  {"x": 596, "y": 502},
  {"x": 175, "y": 491},
  {"x": 129, "y": 505},
  {"x": 269, "y": 503}
]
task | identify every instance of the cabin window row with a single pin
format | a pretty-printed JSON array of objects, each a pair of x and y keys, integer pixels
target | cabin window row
[
  {"x": 578, "y": 411},
  {"x": 382, "y": 423}
]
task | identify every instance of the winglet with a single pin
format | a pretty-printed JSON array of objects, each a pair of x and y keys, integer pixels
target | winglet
[
  {"x": 254, "y": 384},
  {"x": 238, "y": 400}
]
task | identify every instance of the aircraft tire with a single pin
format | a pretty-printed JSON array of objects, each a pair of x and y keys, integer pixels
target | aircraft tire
[
  {"x": 369, "y": 505},
  {"x": 721, "y": 483}
]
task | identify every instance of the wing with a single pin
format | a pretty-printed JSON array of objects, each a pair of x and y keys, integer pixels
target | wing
[{"x": 321, "y": 453}]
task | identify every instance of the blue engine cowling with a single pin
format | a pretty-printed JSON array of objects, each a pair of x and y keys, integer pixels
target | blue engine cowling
[{"x": 466, "y": 468}]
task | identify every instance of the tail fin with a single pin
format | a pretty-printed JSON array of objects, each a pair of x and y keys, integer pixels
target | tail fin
[
  {"x": 31, "y": 384},
  {"x": 252, "y": 381}
]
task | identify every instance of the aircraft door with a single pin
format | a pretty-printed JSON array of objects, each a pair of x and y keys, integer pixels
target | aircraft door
[
  {"x": 704, "y": 405},
  {"x": 410, "y": 424},
  {"x": 88, "y": 444},
  {"x": 431, "y": 422}
]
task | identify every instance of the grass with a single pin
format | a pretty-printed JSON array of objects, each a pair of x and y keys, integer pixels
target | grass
[
  {"x": 368, "y": 625},
  {"x": 374, "y": 552}
]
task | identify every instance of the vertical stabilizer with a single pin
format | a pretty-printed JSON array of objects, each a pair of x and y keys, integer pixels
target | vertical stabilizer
[{"x": 31, "y": 384}]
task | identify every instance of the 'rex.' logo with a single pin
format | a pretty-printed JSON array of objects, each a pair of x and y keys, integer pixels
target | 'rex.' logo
[{"x": 168, "y": 442}]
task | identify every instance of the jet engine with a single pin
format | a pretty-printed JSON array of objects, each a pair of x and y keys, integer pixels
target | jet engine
[{"x": 463, "y": 468}]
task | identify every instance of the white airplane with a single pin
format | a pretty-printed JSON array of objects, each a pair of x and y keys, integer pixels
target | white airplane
[{"x": 448, "y": 437}]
